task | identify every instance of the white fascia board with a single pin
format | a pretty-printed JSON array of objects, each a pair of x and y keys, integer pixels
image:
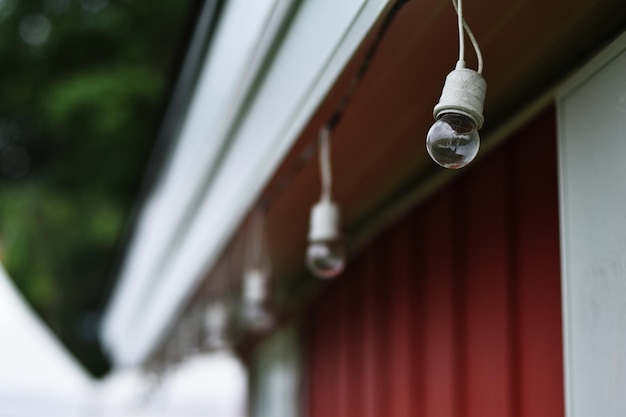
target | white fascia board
[
  {"x": 223, "y": 83},
  {"x": 318, "y": 44}
]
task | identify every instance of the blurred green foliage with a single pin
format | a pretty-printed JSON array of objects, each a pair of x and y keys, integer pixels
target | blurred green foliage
[{"x": 82, "y": 86}]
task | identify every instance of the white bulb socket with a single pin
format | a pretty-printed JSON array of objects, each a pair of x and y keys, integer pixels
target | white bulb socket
[
  {"x": 463, "y": 93},
  {"x": 325, "y": 220},
  {"x": 255, "y": 288},
  {"x": 215, "y": 318}
]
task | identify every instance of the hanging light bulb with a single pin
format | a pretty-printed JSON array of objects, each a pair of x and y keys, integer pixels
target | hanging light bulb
[
  {"x": 325, "y": 255},
  {"x": 216, "y": 313},
  {"x": 255, "y": 311},
  {"x": 215, "y": 326},
  {"x": 453, "y": 139}
]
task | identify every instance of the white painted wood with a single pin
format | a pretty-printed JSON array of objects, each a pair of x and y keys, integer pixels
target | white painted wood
[
  {"x": 219, "y": 168},
  {"x": 227, "y": 75},
  {"x": 592, "y": 151}
]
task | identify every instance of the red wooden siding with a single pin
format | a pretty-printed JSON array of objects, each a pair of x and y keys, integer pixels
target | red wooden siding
[{"x": 455, "y": 310}]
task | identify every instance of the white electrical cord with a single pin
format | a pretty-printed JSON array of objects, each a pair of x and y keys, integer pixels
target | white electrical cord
[
  {"x": 458, "y": 7},
  {"x": 257, "y": 237},
  {"x": 325, "y": 169},
  {"x": 256, "y": 240}
]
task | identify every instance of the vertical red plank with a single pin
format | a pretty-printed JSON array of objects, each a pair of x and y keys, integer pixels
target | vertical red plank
[
  {"x": 376, "y": 330},
  {"x": 383, "y": 280},
  {"x": 486, "y": 283},
  {"x": 321, "y": 393},
  {"x": 354, "y": 304},
  {"x": 349, "y": 318},
  {"x": 403, "y": 352},
  {"x": 438, "y": 342},
  {"x": 334, "y": 361},
  {"x": 538, "y": 270},
  {"x": 370, "y": 343},
  {"x": 313, "y": 396},
  {"x": 344, "y": 349}
]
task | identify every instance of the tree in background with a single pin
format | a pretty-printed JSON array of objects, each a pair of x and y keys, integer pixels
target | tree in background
[{"x": 82, "y": 85}]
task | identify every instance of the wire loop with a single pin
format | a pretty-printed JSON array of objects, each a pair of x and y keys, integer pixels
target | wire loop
[
  {"x": 325, "y": 167},
  {"x": 458, "y": 7}
]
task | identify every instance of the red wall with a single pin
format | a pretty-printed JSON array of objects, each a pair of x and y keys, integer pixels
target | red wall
[{"x": 455, "y": 310}]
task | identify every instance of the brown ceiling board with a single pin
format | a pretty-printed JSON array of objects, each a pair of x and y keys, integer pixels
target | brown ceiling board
[
  {"x": 381, "y": 138},
  {"x": 288, "y": 211},
  {"x": 295, "y": 187},
  {"x": 379, "y": 145},
  {"x": 540, "y": 46},
  {"x": 378, "y": 142}
]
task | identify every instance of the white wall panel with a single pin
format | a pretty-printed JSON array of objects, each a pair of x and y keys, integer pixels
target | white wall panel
[{"x": 592, "y": 146}]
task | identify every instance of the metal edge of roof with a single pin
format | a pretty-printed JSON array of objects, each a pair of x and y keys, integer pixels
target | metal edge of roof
[
  {"x": 170, "y": 128},
  {"x": 180, "y": 180},
  {"x": 194, "y": 252}
]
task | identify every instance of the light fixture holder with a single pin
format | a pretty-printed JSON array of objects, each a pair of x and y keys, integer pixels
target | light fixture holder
[
  {"x": 255, "y": 286},
  {"x": 463, "y": 93},
  {"x": 215, "y": 323},
  {"x": 325, "y": 220}
]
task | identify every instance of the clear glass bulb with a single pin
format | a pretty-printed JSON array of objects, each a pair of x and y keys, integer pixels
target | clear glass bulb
[
  {"x": 326, "y": 259},
  {"x": 453, "y": 141},
  {"x": 215, "y": 326},
  {"x": 258, "y": 317}
]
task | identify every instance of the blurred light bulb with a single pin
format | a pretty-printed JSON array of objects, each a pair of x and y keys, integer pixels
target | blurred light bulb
[
  {"x": 215, "y": 325},
  {"x": 453, "y": 139},
  {"x": 255, "y": 312},
  {"x": 325, "y": 256},
  {"x": 258, "y": 317},
  {"x": 326, "y": 259}
]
